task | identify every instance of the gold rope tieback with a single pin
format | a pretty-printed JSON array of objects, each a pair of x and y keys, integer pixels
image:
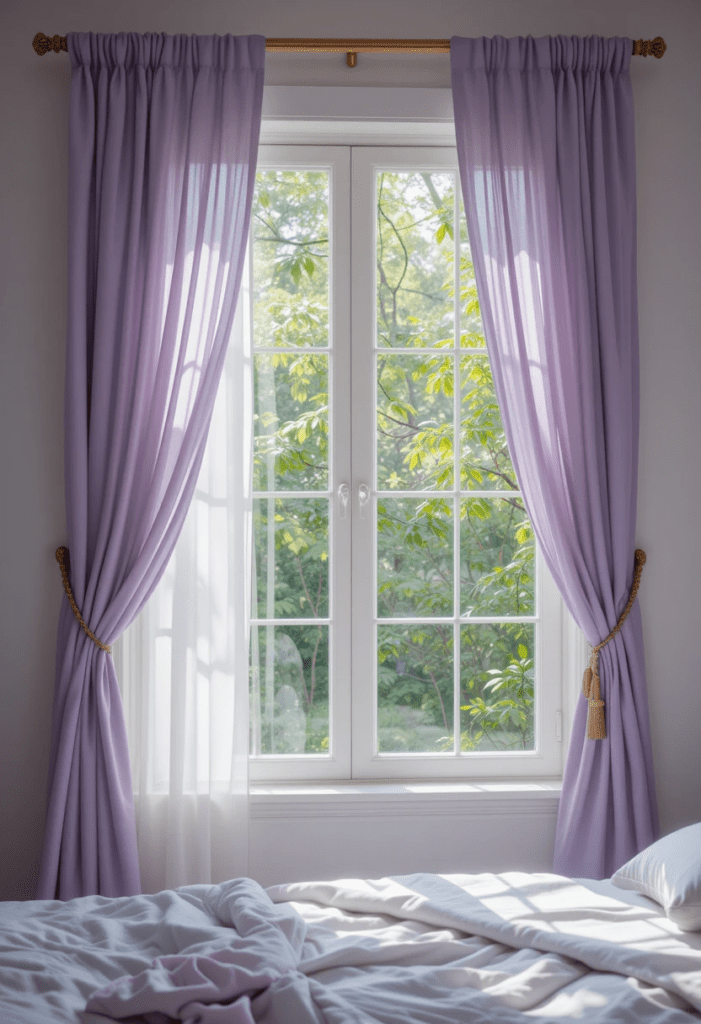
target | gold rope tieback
[
  {"x": 64, "y": 560},
  {"x": 596, "y": 724}
]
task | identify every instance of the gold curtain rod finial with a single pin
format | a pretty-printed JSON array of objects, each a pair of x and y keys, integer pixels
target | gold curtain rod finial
[
  {"x": 649, "y": 47},
  {"x": 43, "y": 44}
]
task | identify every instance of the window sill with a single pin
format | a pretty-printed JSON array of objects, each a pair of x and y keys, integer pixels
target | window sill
[{"x": 400, "y": 799}]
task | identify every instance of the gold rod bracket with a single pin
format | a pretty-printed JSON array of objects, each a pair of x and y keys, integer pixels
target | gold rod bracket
[{"x": 351, "y": 59}]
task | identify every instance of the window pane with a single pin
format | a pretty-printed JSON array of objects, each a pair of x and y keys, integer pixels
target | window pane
[
  {"x": 290, "y": 219},
  {"x": 497, "y": 558},
  {"x": 414, "y": 422},
  {"x": 289, "y": 690},
  {"x": 414, "y": 258},
  {"x": 291, "y": 422},
  {"x": 414, "y": 557},
  {"x": 496, "y": 687},
  {"x": 292, "y": 557},
  {"x": 415, "y": 688},
  {"x": 485, "y": 460}
]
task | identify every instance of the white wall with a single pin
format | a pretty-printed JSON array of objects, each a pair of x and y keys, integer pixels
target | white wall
[{"x": 33, "y": 122}]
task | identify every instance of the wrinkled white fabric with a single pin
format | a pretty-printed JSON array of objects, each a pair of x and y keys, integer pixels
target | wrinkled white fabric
[{"x": 423, "y": 949}]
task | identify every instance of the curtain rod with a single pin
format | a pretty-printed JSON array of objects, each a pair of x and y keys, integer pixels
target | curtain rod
[{"x": 352, "y": 47}]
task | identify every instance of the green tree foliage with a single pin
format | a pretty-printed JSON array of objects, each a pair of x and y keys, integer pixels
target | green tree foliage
[{"x": 417, "y": 380}]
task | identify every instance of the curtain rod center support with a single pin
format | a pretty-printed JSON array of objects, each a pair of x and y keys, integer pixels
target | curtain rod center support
[{"x": 351, "y": 59}]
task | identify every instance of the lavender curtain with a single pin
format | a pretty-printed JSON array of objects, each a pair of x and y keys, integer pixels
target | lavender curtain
[
  {"x": 163, "y": 144},
  {"x": 547, "y": 160}
]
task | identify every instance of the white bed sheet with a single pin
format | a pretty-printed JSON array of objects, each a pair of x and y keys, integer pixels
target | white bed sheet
[{"x": 420, "y": 949}]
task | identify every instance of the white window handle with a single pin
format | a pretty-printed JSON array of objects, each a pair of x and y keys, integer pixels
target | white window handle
[
  {"x": 343, "y": 495},
  {"x": 363, "y": 499}
]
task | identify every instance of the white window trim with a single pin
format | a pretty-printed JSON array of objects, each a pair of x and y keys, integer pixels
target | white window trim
[
  {"x": 359, "y": 116},
  {"x": 399, "y": 798},
  {"x": 307, "y": 115}
]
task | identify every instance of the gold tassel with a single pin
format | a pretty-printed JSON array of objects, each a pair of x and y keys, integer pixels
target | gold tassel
[{"x": 596, "y": 721}]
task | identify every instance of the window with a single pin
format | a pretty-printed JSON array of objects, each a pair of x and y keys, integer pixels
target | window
[
  {"x": 316, "y": 302},
  {"x": 404, "y": 625}
]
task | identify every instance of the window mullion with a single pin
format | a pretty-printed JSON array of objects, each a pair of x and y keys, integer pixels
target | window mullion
[{"x": 457, "y": 478}]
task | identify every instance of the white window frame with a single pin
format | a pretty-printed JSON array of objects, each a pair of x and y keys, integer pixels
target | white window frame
[
  {"x": 307, "y": 116},
  {"x": 367, "y": 763}
]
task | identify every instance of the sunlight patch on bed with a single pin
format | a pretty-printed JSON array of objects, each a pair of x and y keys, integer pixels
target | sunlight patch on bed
[{"x": 571, "y": 1005}]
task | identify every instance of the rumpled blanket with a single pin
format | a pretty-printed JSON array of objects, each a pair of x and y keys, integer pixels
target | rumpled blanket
[{"x": 420, "y": 949}]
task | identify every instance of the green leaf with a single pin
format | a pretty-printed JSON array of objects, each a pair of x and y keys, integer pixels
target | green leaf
[
  {"x": 522, "y": 651},
  {"x": 479, "y": 508}
]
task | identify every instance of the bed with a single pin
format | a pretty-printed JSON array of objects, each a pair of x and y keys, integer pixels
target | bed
[{"x": 416, "y": 949}]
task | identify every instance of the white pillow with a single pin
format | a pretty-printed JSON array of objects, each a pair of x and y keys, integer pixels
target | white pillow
[{"x": 669, "y": 872}]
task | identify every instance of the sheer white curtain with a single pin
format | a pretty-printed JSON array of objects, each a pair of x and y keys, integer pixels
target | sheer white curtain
[{"x": 183, "y": 663}]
